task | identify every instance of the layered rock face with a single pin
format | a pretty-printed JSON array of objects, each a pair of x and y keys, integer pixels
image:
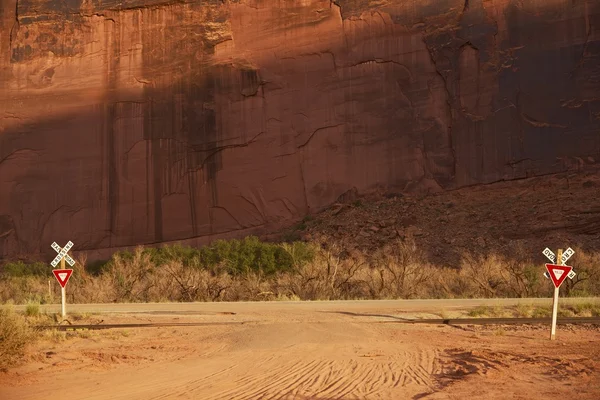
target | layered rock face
[{"x": 147, "y": 121}]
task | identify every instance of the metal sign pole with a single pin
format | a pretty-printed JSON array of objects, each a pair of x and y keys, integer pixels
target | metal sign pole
[
  {"x": 559, "y": 254},
  {"x": 63, "y": 291},
  {"x": 64, "y": 302}
]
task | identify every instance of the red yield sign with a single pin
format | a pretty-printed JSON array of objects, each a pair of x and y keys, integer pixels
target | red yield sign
[
  {"x": 558, "y": 273},
  {"x": 62, "y": 276}
]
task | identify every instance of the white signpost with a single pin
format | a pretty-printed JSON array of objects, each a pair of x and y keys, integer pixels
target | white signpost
[
  {"x": 557, "y": 273},
  {"x": 62, "y": 275}
]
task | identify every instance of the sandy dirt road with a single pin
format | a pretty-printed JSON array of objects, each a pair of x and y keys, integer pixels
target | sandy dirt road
[
  {"x": 381, "y": 306},
  {"x": 308, "y": 355}
]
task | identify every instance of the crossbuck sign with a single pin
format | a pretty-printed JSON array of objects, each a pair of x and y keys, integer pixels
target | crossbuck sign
[
  {"x": 62, "y": 275},
  {"x": 62, "y": 253},
  {"x": 566, "y": 255},
  {"x": 558, "y": 273}
]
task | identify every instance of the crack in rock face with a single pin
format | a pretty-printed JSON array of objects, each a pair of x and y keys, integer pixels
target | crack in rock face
[{"x": 136, "y": 122}]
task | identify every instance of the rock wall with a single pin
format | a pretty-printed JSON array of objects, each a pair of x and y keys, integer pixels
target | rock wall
[{"x": 146, "y": 121}]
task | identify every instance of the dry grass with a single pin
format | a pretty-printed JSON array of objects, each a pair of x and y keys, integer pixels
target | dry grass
[
  {"x": 491, "y": 312},
  {"x": 15, "y": 335},
  {"x": 32, "y": 309},
  {"x": 571, "y": 309},
  {"x": 54, "y": 335},
  {"x": 24, "y": 289}
]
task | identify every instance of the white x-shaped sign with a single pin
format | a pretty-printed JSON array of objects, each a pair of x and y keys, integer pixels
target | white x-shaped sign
[
  {"x": 565, "y": 256},
  {"x": 62, "y": 253},
  {"x": 549, "y": 254}
]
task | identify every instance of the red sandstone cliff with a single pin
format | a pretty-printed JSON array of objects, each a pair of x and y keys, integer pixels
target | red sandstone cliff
[{"x": 145, "y": 121}]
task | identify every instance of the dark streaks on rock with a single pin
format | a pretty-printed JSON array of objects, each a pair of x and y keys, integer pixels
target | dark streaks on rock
[
  {"x": 219, "y": 149},
  {"x": 112, "y": 175},
  {"x": 315, "y": 132},
  {"x": 15, "y": 28}
]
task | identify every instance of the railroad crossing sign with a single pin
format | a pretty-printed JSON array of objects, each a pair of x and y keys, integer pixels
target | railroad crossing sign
[
  {"x": 62, "y": 253},
  {"x": 62, "y": 276},
  {"x": 558, "y": 273},
  {"x": 551, "y": 256},
  {"x": 567, "y": 254}
]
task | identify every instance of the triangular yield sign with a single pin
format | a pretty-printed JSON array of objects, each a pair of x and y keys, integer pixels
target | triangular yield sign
[
  {"x": 558, "y": 273},
  {"x": 62, "y": 276}
]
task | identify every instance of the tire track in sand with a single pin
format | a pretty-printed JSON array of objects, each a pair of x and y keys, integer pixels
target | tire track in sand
[
  {"x": 282, "y": 378},
  {"x": 257, "y": 386}
]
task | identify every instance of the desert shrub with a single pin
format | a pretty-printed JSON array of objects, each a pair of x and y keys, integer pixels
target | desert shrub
[
  {"x": 85, "y": 286},
  {"x": 15, "y": 335},
  {"x": 233, "y": 256},
  {"x": 185, "y": 255},
  {"x": 484, "y": 275},
  {"x": 310, "y": 281},
  {"x": 250, "y": 286},
  {"x": 181, "y": 283},
  {"x": 300, "y": 253},
  {"x": 96, "y": 268},
  {"x": 587, "y": 280},
  {"x": 247, "y": 255},
  {"x": 346, "y": 276},
  {"x": 587, "y": 309},
  {"x": 330, "y": 275},
  {"x": 448, "y": 283},
  {"x": 128, "y": 276},
  {"x": 522, "y": 278},
  {"x": 496, "y": 276},
  {"x": 24, "y": 289},
  {"x": 399, "y": 271},
  {"x": 526, "y": 278},
  {"x": 523, "y": 310},
  {"x": 482, "y": 311},
  {"x": 32, "y": 309},
  {"x": 21, "y": 269},
  {"x": 307, "y": 283}
]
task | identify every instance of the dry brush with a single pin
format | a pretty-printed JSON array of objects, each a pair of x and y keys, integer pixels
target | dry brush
[{"x": 250, "y": 271}]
